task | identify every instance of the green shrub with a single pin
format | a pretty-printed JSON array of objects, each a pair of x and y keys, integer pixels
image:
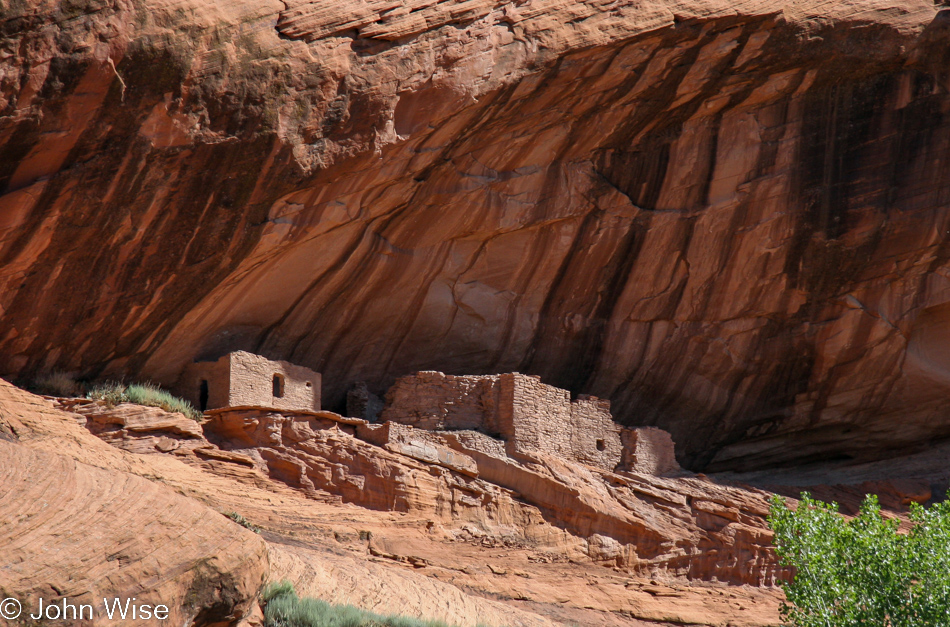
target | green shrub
[
  {"x": 862, "y": 571},
  {"x": 111, "y": 392},
  {"x": 244, "y": 522},
  {"x": 285, "y": 609},
  {"x": 277, "y": 589},
  {"x": 149, "y": 394}
]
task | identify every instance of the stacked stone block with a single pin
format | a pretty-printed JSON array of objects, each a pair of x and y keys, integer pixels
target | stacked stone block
[
  {"x": 649, "y": 451},
  {"x": 241, "y": 379},
  {"x": 432, "y": 400},
  {"x": 530, "y": 416}
]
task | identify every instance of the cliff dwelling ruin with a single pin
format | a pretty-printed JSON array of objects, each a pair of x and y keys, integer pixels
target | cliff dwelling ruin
[
  {"x": 242, "y": 379},
  {"x": 530, "y": 417},
  {"x": 512, "y": 412}
]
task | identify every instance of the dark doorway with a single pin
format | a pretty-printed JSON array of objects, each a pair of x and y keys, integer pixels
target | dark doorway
[
  {"x": 203, "y": 395},
  {"x": 278, "y": 386}
]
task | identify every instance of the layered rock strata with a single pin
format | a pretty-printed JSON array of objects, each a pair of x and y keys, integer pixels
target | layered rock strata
[
  {"x": 82, "y": 532},
  {"x": 421, "y": 561},
  {"x": 417, "y": 562},
  {"x": 683, "y": 526},
  {"x": 730, "y": 219},
  {"x": 205, "y": 567}
]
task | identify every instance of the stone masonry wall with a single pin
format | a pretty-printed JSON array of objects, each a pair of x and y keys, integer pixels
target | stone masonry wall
[
  {"x": 217, "y": 375},
  {"x": 530, "y": 416},
  {"x": 649, "y": 451},
  {"x": 361, "y": 403},
  {"x": 421, "y": 444},
  {"x": 241, "y": 378},
  {"x": 432, "y": 400},
  {"x": 540, "y": 416},
  {"x": 252, "y": 379},
  {"x": 595, "y": 438}
]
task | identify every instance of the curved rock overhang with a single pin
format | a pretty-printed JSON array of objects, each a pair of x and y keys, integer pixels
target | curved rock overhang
[{"x": 731, "y": 221}]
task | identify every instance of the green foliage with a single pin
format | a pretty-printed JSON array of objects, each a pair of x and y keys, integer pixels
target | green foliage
[
  {"x": 277, "y": 589},
  {"x": 863, "y": 572},
  {"x": 154, "y": 396},
  {"x": 114, "y": 393},
  {"x": 111, "y": 392},
  {"x": 244, "y": 522},
  {"x": 285, "y": 609}
]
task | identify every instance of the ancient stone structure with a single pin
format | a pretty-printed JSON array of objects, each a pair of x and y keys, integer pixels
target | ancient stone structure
[
  {"x": 361, "y": 403},
  {"x": 649, "y": 451},
  {"x": 530, "y": 416},
  {"x": 244, "y": 379},
  {"x": 432, "y": 400}
]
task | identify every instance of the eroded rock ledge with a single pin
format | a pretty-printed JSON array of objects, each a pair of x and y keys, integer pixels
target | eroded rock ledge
[
  {"x": 678, "y": 525},
  {"x": 729, "y": 219}
]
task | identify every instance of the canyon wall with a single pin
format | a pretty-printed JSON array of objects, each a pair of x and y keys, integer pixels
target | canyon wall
[{"x": 730, "y": 219}]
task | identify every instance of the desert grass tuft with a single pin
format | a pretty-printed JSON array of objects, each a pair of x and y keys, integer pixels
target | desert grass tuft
[
  {"x": 283, "y": 608},
  {"x": 113, "y": 393},
  {"x": 154, "y": 396}
]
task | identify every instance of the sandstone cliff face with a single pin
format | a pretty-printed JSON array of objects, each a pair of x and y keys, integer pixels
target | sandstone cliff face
[{"x": 728, "y": 218}]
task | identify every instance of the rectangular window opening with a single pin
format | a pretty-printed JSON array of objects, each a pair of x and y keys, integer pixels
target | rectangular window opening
[{"x": 203, "y": 395}]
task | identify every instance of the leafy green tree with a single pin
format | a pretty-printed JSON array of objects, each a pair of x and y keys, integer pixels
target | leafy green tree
[{"x": 863, "y": 572}]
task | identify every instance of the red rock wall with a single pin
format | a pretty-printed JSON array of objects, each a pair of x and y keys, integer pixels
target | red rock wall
[{"x": 730, "y": 220}]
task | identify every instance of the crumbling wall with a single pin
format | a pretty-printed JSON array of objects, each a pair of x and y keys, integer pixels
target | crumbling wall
[
  {"x": 434, "y": 401},
  {"x": 595, "y": 437},
  {"x": 361, "y": 403},
  {"x": 530, "y": 416},
  {"x": 426, "y": 446},
  {"x": 649, "y": 451},
  {"x": 475, "y": 441}
]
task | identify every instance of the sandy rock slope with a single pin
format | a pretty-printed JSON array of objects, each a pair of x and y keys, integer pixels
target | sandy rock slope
[{"x": 506, "y": 561}]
